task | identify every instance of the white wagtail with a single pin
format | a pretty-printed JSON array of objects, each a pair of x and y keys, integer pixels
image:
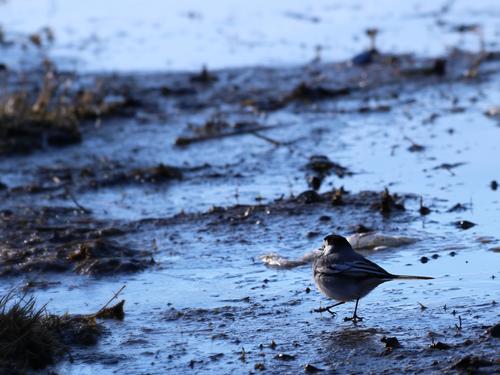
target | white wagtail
[{"x": 344, "y": 275}]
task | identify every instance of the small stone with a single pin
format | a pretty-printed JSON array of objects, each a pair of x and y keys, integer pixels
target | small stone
[
  {"x": 416, "y": 148},
  {"x": 310, "y": 369},
  {"x": 312, "y": 234},
  {"x": 284, "y": 357},
  {"x": 424, "y": 260},
  {"x": 424, "y": 210},
  {"x": 464, "y": 224}
]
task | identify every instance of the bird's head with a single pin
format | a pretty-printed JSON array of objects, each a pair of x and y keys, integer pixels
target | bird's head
[{"x": 335, "y": 244}]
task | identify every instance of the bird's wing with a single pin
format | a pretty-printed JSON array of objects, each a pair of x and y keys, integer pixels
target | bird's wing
[{"x": 358, "y": 268}]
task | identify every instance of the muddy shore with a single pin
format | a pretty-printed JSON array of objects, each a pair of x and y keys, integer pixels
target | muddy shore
[{"x": 176, "y": 185}]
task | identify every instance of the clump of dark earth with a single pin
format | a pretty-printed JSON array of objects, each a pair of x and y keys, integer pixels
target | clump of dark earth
[
  {"x": 314, "y": 182},
  {"x": 204, "y": 77},
  {"x": 365, "y": 57},
  {"x": 307, "y": 92},
  {"x": 32, "y": 339},
  {"x": 104, "y": 173},
  {"x": 360, "y": 228},
  {"x": 459, "y": 207},
  {"x": 471, "y": 364},
  {"x": 416, "y": 148},
  {"x": 63, "y": 239},
  {"x": 440, "y": 346},
  {"x": 259, "y": 366},
  {"x": 114, "y": 312},
  {"x": 495, "y": 330},
  {"x": 423, "y": 209},
  {"x": 309, "y": 196},
  {"x": 388, "y": 203},
  {"x": 391, "y": 343},
  {"x": 319, "y": 167},
  {"x": 312, "y": 234},
  {"x": 322, "y": 165},
  {"x": 464, "y": 224},
  {"x": 308, "y": 201},
  {"x": 311, "y": 369},
  {"x": 337, "y": 197}
]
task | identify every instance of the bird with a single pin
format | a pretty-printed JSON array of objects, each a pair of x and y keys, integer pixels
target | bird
[{"x": 343, "y": 275}]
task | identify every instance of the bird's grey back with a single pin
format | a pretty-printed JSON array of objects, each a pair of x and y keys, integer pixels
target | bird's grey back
[{"x": 348, "y": 263}]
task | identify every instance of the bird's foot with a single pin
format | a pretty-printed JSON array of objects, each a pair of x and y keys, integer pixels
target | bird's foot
[
  {"x": 323, "y": 309},
  {"x": 328, "y": 308},
  {"x": 353, "y": 319},
  {"x": 330, "y": 311}
]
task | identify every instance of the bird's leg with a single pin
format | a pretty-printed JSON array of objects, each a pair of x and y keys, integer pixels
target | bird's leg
[
  {"x": 355, "y": 318},
  {"x": 327, "y": 308}
]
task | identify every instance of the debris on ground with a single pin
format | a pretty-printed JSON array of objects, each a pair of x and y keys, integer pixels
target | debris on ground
[{"x": 33, "y": 339}]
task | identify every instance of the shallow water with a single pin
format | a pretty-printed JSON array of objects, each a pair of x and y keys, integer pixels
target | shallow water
[
  {"x": 194, "y": 305},
  {"x": 96, "y": 36},
  {"x": 209, "y": 293}
]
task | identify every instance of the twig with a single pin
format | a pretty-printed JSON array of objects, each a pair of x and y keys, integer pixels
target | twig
[
  {"x": 185, "y": 141},
  {"x": 270, "y": 140},
  {"x": 110, "y": 300},
  {"x": 86, "y": 210}
]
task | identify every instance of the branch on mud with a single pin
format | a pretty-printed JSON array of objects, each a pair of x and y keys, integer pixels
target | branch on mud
[{"x": 185, "y": 141}]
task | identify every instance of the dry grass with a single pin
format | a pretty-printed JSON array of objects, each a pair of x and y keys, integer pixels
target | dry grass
[
  {"x": 27, "y": 339},
  {"x": 30, "y": 338},
  {"x": 50, "y": 112}
]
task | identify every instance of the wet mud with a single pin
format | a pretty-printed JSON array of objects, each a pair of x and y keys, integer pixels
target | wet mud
[
  {"x": 46, "y": 239},
  {"x": 177, "y": 185}
]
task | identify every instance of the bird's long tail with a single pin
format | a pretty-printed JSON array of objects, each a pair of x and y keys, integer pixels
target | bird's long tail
[{"x": 410, "y": 277}]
